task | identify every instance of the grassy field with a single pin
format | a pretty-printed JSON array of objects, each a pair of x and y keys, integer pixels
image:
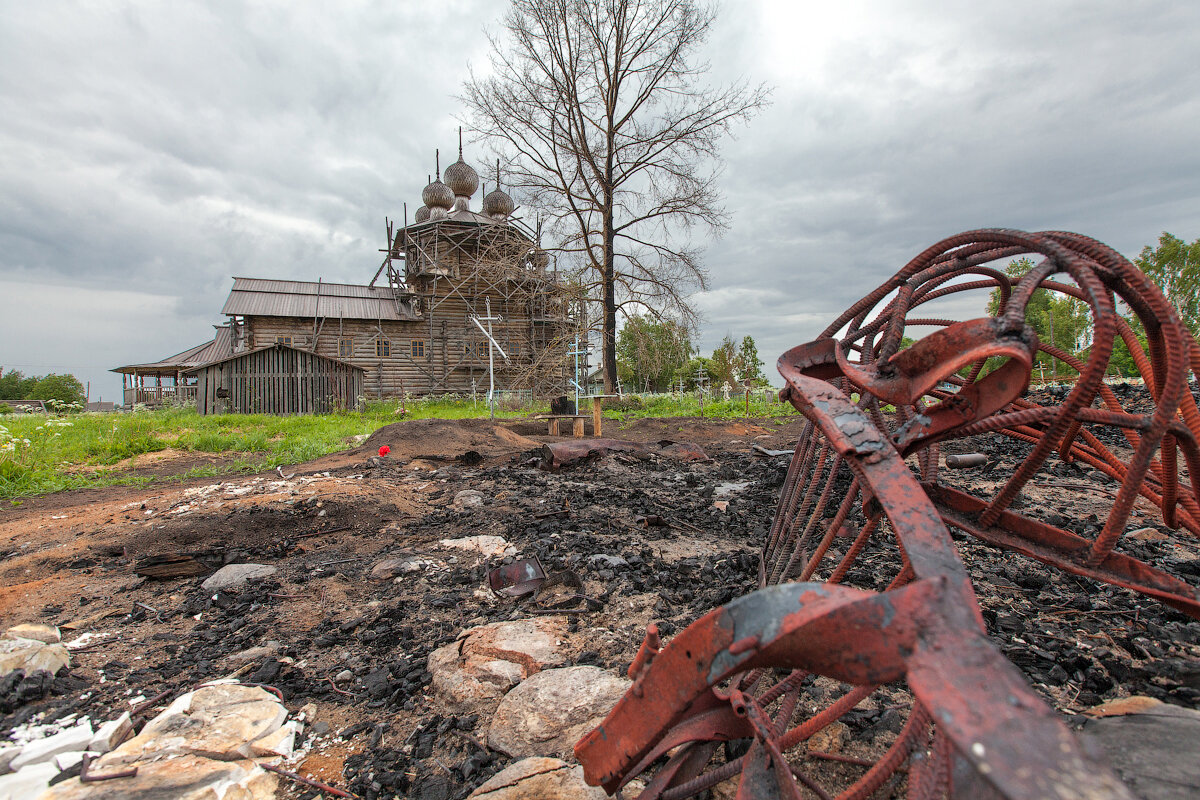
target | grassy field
[{"x": 40, "y": 454}]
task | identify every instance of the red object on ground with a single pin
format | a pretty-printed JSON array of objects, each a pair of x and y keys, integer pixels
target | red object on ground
[{"x": 383, "y": 451}]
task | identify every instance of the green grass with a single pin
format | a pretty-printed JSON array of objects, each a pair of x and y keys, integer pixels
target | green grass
[
  {"x": 89, "y": 451},
  {"x": 665, "y": 405}
]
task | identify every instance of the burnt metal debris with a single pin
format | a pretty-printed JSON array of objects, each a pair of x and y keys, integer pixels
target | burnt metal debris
[{"x": 743, "y": 690}]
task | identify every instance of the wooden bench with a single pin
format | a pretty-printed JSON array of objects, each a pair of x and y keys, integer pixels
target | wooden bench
[
  {"x": 556, "y": 423},
  {"x": 577, "y": 420}
]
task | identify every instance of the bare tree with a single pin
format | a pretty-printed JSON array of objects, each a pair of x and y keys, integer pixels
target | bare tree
[{"x": 608, "y": 128}]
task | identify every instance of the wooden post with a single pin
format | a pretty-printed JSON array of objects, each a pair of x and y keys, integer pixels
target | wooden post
[
  {"x": 554, "y": 426},
  {"x": 577, "y": 428},
  {"x": 597, "y": 416}
]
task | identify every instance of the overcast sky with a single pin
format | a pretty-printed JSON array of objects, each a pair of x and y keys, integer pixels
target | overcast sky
[{"x": 149, "y": 152}]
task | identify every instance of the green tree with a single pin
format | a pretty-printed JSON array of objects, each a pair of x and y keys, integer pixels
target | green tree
[
  {"x": 1174, "y": 267},
  {"x": 64, "y": 388},
  {"x": 687, "y": 373},
  {"x": 724, "y": 363},
  {"x": 749, "y": 365},
  {"x": 1059, "y": 320},
  {"x": 15, "y": 386},
  {"x": 650, "y": 353}
]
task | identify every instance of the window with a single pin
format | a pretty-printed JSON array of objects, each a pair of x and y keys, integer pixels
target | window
[
  {"x": 513, "y": 349},
  {"x": 417, "y": 348},
  {"x": 383, "y": 347},
  {"x": 345, "y": 348},
  {"x": 283, "y": 340}
]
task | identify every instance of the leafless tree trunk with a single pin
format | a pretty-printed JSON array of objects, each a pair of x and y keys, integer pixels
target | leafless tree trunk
[{"x": 606, "y": 127}]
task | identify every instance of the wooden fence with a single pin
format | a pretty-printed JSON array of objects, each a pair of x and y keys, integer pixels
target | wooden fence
[{"x": 277, "y": 380}]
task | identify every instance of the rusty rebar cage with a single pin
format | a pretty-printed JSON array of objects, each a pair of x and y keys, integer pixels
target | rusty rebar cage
[{"x": 744, "y": 689}]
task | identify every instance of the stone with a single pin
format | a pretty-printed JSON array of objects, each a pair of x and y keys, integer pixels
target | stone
[
  {"x": 64, "y": 761},
  {"x": 1147, "y": 535},
  {"x": 538, "y": 779},
  {"x": 111, "y": 734},
  {"x": 257, "y": 653},
  {"x": 182, "y": 778},
  {"x": 29, "y": 782},
  {"x": 473, "y": 673},
  {"x": 1155, "y": 752},
  {"x": 603, "y": 560},
  {"x": 44, "y": 750},
  {"x": 232, "y": 576},
  {"x": 487, "y": 546},
  {"x": 1138, "y": 704},
  {"x": 721, "y": 505},
  {"x": 280, "y": 743},
  {"x": 220, "y": 721},
  {"x": 468, "y": 498},
  {"x": 393, "y": 567},
  {"x": 7, "y": 754},
  {"x": 344, "y": 676},
  {"x": 32, "y": 655},
  {"x": 830, "y": 739},
  {"x": 547, "y": 713},
  {"x": 47, "y": 634}
]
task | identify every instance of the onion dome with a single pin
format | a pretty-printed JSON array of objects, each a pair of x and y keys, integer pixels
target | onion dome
[
  {"x": 462, "y": 179},
  {"x": 422, "y": 214},
  {"x": 437, "y": 212},
  {"x": 498, "y": 205},
  {"x": 437, "y": 195}
]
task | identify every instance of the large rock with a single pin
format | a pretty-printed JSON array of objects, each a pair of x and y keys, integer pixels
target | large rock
[
  {"x": 538, "y": 779},
  {"x": 473, "y": 673},
  {"x": 232, "y": 576},
  {"x": 27, "y": 783},
  {"x": 226, "y": 722},
  {"x": 183, "y": 778},
  {"x": 1155, "y": 748},
  {"x": 31, "y": 656},
  {"x": 547, "y": 713}
]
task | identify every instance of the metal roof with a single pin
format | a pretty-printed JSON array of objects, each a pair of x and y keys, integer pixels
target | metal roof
[
  {"x": 265, "y": 297},
  {"x": 278, "y": 345},
  {"x": 218, "y": 346}
]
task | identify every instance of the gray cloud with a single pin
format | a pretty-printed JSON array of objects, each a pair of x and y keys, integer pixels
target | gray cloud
[{"x": 149, "y": 152}]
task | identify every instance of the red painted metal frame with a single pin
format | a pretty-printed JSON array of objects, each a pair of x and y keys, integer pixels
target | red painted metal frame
[{"x": 974, "y": 725}]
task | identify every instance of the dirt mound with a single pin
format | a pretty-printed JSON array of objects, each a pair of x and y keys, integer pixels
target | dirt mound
[
  {"x": 448, "y": 439},
  {"x": 711, "y": 434}
]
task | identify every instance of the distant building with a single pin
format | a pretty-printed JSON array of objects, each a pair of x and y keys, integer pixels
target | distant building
[{"x": 418, "y": 326}]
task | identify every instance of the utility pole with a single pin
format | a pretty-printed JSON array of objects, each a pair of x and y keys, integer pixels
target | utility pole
[{"x": 492, "y": 343}]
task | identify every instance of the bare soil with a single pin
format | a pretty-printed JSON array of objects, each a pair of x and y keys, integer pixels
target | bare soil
[{"x": 69, "y": 559}]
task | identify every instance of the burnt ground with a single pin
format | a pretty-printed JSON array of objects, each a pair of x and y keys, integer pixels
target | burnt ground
[{"x": 69, "y": 559}]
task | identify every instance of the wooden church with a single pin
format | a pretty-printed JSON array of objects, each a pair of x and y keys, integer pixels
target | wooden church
[{"x": 420, "y": 326}]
